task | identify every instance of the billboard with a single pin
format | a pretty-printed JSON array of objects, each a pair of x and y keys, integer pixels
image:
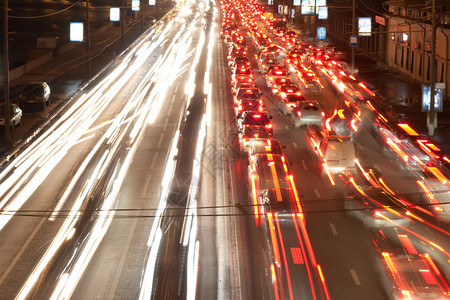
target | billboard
[
  {"x": 308, "y": 6},
  {"x": 321, "y": 32},
  {"x": 114, "y": 14},
  {"x": 426, "y": 98},
  {"x": 297, "y": 2},
  {"x": 364, "y": 26},
  {"x": 323, "y": 13},
  {"x": 135, "y": 5},
  {"x": 76, "y": 31}
]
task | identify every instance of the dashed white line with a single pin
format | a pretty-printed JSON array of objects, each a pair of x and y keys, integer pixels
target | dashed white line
[
  {"x": 304, "y": 166},
  {"x": 146, "y": 185},
  {"x": 160, "y": 141},
  {"x": 170, "y": 109},
  {"x": 287, "y": 127},
  {"x": 152, "y": 166},
  {"x": 295, "y": 145},
  {"x": 165, "y": 123},
  {"x": 333, "y": 229},
  {"x": 355, "y": 277},
  {"x": 173, "y": 99},
  {"x": 316, "y": 191}
]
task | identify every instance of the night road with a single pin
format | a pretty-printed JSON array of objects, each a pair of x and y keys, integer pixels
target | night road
[{"x": 223, "y": 156}]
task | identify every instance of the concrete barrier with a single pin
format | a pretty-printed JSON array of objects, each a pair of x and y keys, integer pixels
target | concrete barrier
[{"x": 33, "y": 64}]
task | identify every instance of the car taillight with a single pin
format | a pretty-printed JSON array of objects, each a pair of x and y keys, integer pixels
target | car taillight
[
  {"x": 323, "y": 114},
  {"x": 269, "y": 125},
  {"x": 299, "y": 113}
]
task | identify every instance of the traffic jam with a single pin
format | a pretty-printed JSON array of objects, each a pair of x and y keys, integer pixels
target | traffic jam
[{"x": 270, "y": 65}]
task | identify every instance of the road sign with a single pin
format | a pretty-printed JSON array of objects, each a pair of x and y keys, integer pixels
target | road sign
[{"x": 353, "y": 41}]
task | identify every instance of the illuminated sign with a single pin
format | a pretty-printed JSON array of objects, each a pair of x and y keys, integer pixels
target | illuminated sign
[
  {"x": 308, "y": 6},
  {"x": 135, "y": 5},
  {"x": 364, "y": 26},
  {"x": 321, "y": 32},
  {"x": 152, "y": 2},
  {"x": 114, "y": 14},
  {"x": 405, "y": 37},
  {"x": 297, "y": 2},
  {"x": 426, "y": 98},
  {"x": 76, "y": 31},
  {"x": 323, "y": 13}
]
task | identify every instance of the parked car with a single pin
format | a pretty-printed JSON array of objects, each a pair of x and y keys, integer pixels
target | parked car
[
  {"x": 35, "y": 93},
  {"x": 15, "y": 115}
]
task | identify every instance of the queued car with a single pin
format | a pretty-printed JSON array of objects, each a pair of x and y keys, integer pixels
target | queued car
[
  {"x": 243, "y": 74},
  {"x": 287, "y": 89},
  {"x": 250, "y": 135},
  {"x": 254, "y": 119},
  {"x": 290, "y": 103},
  {"x": 235, "y": 86},
  {"x": 307, "y": 112},
  {"x": 278, "y": 82},
  {"x": 267, "y": 63},
  {"x": 15, "y": 115}
]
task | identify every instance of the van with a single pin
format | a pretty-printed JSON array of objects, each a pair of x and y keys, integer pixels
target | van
[{"x": 338, "y": 152}]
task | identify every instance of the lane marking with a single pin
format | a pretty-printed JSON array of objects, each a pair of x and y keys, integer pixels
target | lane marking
[
  {"x": 152, "y": 166},
  {"x": 295, "y": 145},
  {"x": 146, "y": 185},
  {"x": 115, "y": 283},
  {"x": 161, "y": 138},
  {"x": 170, "y": 109},
  {"x": 287, "y": 127},
  {"x": 355, "y": 277},
  {"x": 173, "y": 99},
  {"x": 22, "y": 250},
  {"x": 304, "y": 166},
  {"x": 316, "y": 191},
  {"x": 165, "y": 123},
  {"x": 333, "y": 229}
]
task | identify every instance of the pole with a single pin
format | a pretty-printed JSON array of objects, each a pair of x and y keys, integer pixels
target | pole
[
  {"x": 433, "y": 116},
  {"x": 122, "y": 10},
  {"x": 353, "y": 33},
  {"x": 315, "y": 23},
  {"x": 88, "y": 39},
  {"x": 6, "y": 69}
]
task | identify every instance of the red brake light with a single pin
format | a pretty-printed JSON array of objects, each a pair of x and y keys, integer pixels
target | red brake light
[
  {"x": 256, "y": 116},
  {"x": 299, "y": 113},
  {"x": 269, "y": 125}
]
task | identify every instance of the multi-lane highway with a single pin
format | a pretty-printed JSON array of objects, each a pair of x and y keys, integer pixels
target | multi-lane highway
[{"x": 138, "y": 188}]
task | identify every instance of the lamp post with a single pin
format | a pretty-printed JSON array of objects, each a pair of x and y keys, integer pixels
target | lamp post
[
  {"x": 88, "y": 39},
  {"x": 6, "y": 69},
  {"x": 354, "y": 34},
  {"x": 433, "y": 116}
]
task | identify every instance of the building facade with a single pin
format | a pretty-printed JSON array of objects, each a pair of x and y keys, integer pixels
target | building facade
[{"x": 409, "y": 31}]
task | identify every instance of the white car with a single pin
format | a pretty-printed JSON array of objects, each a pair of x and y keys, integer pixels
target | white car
[{"x": 15, "y": 115}]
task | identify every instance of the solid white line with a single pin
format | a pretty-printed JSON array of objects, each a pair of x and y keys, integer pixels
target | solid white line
[
  {"x": 152, "y": 166},
  {"x": 355, "y": 277},
  {"x": 333, "y": 229},
  {"x": 317, "y": 193},
  {"x": 146, "y": 185},
  {"x": 295, "y": 145},
  {"x": 160, "y": 141}
]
